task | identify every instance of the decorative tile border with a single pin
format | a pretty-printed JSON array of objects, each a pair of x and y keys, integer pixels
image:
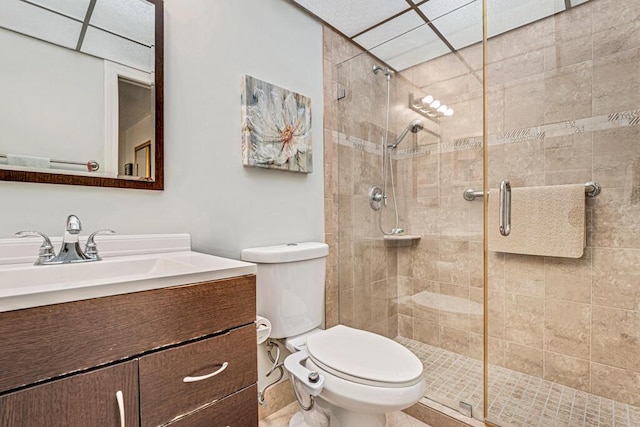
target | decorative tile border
[
  {"x": 569, "y": 127},
  {"x": 462, "y": 144},
  {"x": 520, "y": 135},
  {"x": 421, "y": 151},
  {"x": 588, "y": 124},
  {"x": 356, "y": 143},
  {"x": 632, "y": 116},
  {"x": 516, "y": 136},
  {"x": 359, "y": 144}
]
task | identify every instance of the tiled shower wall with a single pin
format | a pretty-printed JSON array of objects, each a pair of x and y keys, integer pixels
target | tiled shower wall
[
  {"x": 440, "y": 278},
  {"x": 362, "y": 263},
  {"x": 335, "y": 50},
  {"x": 564, "y": 107},
  {"x": 364, "y": 266}
]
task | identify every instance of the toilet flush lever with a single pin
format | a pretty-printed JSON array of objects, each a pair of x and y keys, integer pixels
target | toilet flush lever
[{"x": 312, "y": 382}]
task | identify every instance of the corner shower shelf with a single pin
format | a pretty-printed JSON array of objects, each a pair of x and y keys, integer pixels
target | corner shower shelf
[{"x": 401, "y": 239}]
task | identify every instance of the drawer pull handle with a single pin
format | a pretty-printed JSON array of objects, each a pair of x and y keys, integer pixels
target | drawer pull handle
[
  {"x": 206, "y": 377},
  {"x": 120, "y": 399}
]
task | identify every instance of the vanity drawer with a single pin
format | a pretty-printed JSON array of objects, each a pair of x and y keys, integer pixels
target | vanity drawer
[
  {"x": 44, "y": 342},
  {"x": 163, "y": 393},
  {"x": 237, "y": 410}
]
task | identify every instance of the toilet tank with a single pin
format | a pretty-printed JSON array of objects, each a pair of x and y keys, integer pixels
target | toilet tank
[{"x": 290, "y": 285}]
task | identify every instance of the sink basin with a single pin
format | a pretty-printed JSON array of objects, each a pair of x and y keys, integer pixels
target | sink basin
[
  {"x": 28, "y": 277},
  {"x": 26, "y": 285}
]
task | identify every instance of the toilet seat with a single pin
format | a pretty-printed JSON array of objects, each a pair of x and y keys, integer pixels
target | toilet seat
[{"x": 364, "y": 358}]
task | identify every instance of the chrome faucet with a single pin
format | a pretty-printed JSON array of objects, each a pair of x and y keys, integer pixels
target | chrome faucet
[{"x": 70, "y": 251}]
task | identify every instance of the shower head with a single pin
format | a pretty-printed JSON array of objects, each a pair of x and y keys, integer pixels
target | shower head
[{"x": 415, "y": 127}]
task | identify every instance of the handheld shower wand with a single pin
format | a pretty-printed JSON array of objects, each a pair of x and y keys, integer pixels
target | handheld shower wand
[{"x": 415, "y": 127}]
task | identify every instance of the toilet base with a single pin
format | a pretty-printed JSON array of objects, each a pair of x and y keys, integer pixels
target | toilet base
[{"x": 325, "y": 414}]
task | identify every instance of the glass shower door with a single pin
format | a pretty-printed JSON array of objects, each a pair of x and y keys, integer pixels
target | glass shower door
[
  {"x": 422, "y": 287},
  {"x": 563, "y": 293}
]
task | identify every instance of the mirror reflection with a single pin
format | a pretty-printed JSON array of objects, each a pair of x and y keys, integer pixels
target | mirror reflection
[
  {"x": 135, "y": 128},
  {"x": 78, "y": 85}
]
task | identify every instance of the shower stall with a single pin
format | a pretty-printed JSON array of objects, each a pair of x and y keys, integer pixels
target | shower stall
[{"x": 508, "y": 337}]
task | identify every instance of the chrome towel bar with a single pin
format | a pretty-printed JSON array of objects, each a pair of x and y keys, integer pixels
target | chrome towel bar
[
  {"x": 91, "y": 165},
  {"x": 591, "y": 189}
]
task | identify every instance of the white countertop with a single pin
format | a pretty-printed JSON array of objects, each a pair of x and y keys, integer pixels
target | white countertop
[{"x": 130, "y": 264}]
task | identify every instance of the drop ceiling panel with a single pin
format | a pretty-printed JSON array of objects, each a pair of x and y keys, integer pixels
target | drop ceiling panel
[
  {"x": 434, "y": 9},
  {"x": 462, "y": 26},
  {"x": 353, "y": 16},
  {"x": 36, "y": 22},
  {"x": 133, "y": 19},
  {"x": 459, "y": 22},
  {"x": 411, "y": 48},
  {"x": 117, "y": 49},
  {"x": 76, "y": 9},
  {"x": 505, "y": 15},
  {"x": 389, "y": 30}
]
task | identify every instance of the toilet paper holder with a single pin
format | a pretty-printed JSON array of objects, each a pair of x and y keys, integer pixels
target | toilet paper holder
[{"x": 263, "y": 329}]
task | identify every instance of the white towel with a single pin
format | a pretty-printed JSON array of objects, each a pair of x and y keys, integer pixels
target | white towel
[
  {"x": 29, "y": 161},
  {"x": 545, "y": 221}
]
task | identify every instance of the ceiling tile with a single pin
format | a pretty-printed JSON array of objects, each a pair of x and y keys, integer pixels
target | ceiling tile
[
  {"x": 117, "y": 49},
  {"x": 389, "y": 30},
  {"x": 76, "y": 9},
  {"x": 133, "y": 19},
  {"x": 434, "y": 9},
  {"x": 505, "y": 15},
  {"x": 36, "y": 22},
  {"x": 411, "y": 48},
  {"x": 353, "y": 16},
  {"x": 461, "y": 26}
]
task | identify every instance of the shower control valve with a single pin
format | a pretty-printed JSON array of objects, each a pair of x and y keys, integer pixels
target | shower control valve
[{"x": 376, "y": 197}]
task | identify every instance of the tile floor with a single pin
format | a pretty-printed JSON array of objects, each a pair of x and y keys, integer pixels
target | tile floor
[
  {"x": 282, "y": 417},
  {"x": 516, "y": 399}
]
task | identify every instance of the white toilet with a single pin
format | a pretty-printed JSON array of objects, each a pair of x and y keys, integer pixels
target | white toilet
[{"x": 362, "y": 375}]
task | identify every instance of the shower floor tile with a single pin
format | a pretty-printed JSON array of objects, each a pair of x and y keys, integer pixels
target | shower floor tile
[{"x": 516, "y": 399}]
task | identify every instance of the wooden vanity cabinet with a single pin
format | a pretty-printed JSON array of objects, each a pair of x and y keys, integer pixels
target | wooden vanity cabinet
[{"x": 62, "y": 365}]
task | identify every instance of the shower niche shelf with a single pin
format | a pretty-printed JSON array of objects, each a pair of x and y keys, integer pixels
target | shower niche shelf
[{"x": 401, "y": 239}]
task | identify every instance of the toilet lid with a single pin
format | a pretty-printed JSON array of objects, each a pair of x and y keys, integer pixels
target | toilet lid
[{"x": 364, "y": 357}]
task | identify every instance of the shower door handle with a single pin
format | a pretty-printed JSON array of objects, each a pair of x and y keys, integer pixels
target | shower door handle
[{"x": 505, "y": 207}]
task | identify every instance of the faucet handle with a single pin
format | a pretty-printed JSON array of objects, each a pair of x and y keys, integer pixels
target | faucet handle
[
  {"x": 91, "y": 249},
  {"x": 46, "y": 252}
]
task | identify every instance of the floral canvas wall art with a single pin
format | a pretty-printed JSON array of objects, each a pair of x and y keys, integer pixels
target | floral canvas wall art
[{"x": 276, "y": 127}]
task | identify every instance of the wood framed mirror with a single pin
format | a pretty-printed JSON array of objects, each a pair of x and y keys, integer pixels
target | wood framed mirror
[{"x": 80, "y": 141}]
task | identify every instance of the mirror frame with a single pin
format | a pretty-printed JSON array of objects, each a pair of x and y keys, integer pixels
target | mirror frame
[{"x": 98, "y": 181}]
